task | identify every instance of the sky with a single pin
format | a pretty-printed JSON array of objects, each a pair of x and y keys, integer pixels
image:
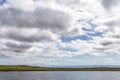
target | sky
[{"x": 59, "y": 32}]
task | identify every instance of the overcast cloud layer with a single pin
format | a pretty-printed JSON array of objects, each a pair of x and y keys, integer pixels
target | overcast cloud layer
[{"x": 53, "y": 29}]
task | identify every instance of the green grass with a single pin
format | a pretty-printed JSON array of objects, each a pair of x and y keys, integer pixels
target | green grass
[{"x": 33, "y": 68}]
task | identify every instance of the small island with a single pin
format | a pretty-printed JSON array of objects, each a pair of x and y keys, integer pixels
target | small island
[{"x": 36, "y": 68}]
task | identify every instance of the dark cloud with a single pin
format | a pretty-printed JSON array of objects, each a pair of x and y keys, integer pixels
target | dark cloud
[
  {"x": 113, "y": 28},
  {"x": 108, "y": 4},
  {"x": 23, "y": 36},
  {"x": 107, "y": 43},
  {"x": 40, "y": 18},
  {"x": 113, "y": 23},
  {"x": 17, "y": 47},
  {"x": 48, "y": 23},
  {"x": 102, "y": 51},
  {"x": 117, "y": 36}
]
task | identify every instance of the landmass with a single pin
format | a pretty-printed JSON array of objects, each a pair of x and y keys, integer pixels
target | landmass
[{"x": 36, "y": 68}]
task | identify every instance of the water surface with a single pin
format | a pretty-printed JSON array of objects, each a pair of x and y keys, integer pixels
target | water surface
[{"x": 61, "y": 75}]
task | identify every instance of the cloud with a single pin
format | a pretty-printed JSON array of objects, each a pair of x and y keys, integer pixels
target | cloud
[
  {"x": 11, "y": 48},
  {"x": 106, "y": 46},
  {"x": 27, "y": 35},
  {"x": 33, "y": 28},
  {"x": 41, "y": 24},
  {"x": 109, "y": 4},
  {"x": 40, "y": 18},
  {"x": 17, "y": 47},
  {"x": 21, "y": 27}
]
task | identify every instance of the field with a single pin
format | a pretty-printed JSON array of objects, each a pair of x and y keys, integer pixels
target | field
[{"x": 35, "y": 68}]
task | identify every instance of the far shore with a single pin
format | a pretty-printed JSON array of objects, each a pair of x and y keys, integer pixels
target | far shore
[{"x": 35, "y": 68}]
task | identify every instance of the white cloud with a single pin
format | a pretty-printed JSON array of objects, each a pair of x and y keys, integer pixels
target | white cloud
[{"x": 32, "y": 28}]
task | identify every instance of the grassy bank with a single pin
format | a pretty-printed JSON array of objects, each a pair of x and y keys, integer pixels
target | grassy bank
[{"x": 33, "y": 68}]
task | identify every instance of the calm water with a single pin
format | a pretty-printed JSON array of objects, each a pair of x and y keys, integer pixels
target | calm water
[{"x": 61, "y": 75}]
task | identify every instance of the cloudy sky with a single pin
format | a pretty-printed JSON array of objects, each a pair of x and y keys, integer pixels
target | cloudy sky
[{"x": 60, "y": 32}]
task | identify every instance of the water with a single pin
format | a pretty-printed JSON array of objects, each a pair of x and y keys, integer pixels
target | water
[{"x": 61, "y": 75}]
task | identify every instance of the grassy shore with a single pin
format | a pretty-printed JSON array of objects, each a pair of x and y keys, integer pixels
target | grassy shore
[{"x": 33, "y": 68}]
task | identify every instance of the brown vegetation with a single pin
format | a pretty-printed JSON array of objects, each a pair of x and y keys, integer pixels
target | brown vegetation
[{"x": 32, "y": 68}]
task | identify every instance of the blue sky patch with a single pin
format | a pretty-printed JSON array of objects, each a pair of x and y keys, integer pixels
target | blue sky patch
[
  {"x": 68, "y": 39},
  {"x": 2, "y": 2}
]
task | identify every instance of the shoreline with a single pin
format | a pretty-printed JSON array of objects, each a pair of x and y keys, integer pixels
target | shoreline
[{"x": 35, "y": 68}]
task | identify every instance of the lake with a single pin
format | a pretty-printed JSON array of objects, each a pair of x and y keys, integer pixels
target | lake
[{"x": 61, "y": 75}]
